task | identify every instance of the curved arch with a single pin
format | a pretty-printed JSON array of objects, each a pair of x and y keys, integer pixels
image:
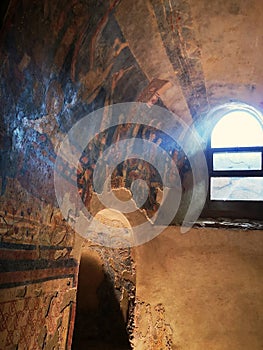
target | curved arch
[
  {"x": 238, "y": 128},
  {"x": 235, "y": 161}
]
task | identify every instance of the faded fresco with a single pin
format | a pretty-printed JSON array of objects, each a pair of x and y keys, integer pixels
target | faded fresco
[{"x": 61, "y": 61}]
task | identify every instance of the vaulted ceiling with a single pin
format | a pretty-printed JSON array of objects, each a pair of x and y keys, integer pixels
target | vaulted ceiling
[
  {"x": 62, "y": 60},
  {"x": 208, "y": 52}
]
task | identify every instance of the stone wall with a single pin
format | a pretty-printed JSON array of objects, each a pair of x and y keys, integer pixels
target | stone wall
[
  {"x": 61, "y": 61},
  {"x": 200, "y": 290},
  {"x": 38, "y": 276},
  {"x": 58, "y": 63}
]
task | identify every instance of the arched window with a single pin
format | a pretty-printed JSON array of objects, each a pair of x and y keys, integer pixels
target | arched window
[{"x": 235, "y": 162}]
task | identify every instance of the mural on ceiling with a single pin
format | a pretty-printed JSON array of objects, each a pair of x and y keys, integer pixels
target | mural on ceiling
[
  {"x": 176, "y": 28},
  {"x": 59, "y": 63}
]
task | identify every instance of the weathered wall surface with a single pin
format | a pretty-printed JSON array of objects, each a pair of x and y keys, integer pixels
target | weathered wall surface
[
  {"x": 38, "y": 273},
  {"x": 200, "y": 290},
  {"x": 56, "y": 66},
  {"x": 63, "y": 60},
  {"x": 105, "y": 299}
]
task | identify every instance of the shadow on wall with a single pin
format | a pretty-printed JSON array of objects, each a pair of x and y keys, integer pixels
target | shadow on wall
[{"x": 99, "y": 323}]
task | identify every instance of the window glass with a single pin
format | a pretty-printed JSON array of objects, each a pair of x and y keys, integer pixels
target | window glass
[
  {"x": 237, "y": 188},
  {"x": 237, "y": 161},
  {"x": 237, "y": 129}
]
